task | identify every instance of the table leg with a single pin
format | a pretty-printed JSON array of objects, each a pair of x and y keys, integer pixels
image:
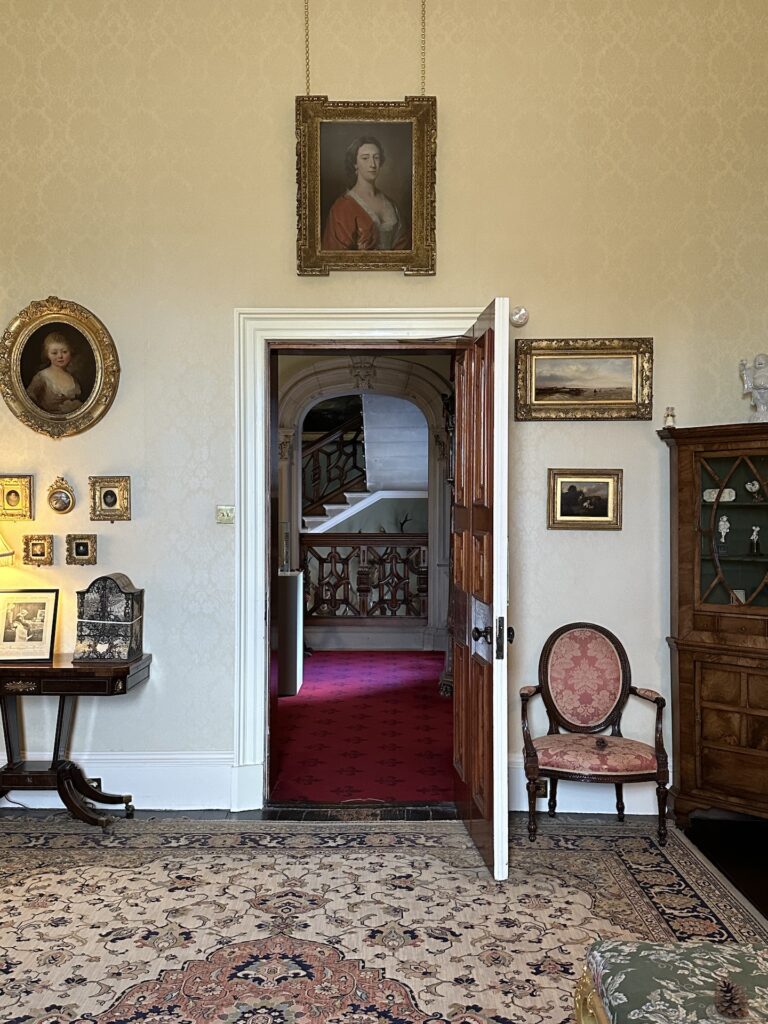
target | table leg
[
  {"x": 64, "y": 720},
  {"x": 66, "y": 774},
  {"x": 87, "y": 789},
  {"x": 10, "y": 712}
]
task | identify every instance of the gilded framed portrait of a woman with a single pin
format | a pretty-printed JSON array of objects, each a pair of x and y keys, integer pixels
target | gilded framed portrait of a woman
[{"x": 366, "y": 185}]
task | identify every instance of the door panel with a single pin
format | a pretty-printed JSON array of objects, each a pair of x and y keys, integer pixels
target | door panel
[{"x": 479, "y": 538}]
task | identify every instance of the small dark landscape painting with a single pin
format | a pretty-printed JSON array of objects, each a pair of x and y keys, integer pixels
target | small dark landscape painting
[{"x": 585, "y": 499}]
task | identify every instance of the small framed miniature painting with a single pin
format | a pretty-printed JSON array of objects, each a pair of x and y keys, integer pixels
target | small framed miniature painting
[
  {"x": 584, "y": 499},
  {"x": 81, "y": 549},
  {"x": 38, "y": 549},
  {"x": 15, "y": 497},
  {"x": 110, "y": 498}
]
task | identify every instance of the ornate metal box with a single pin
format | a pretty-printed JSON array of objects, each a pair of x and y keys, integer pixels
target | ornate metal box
[{"x": 110, "y": 618}]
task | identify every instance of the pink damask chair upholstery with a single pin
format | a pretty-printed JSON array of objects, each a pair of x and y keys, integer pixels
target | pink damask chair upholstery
[{"x": 584, "y": 678}]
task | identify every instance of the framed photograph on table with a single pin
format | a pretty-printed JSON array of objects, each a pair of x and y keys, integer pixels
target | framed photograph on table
[
  {"x": 27, "y": 624},
  {"x": 366, "y": 184},
  {"x": 584, "y": 499},
  {"x": 584, "y": 379}
]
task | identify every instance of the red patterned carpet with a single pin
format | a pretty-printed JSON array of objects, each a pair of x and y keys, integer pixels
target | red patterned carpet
[{"x": 366, "y": 725}]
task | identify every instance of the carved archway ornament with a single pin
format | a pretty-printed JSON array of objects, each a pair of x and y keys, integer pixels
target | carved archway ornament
[
  {"x": 59, "y": 369},
  {"x": 379, "y": 375}
]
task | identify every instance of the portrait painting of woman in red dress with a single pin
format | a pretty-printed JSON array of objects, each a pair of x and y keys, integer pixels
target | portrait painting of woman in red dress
[{"x": 366, "y": 178}]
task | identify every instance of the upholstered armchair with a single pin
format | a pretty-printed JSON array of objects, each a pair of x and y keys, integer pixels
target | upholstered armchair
[{"x": 585, "y": 681}]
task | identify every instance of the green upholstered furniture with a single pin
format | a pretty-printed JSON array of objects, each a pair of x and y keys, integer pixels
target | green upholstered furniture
[{"x": 668, "y": 983}]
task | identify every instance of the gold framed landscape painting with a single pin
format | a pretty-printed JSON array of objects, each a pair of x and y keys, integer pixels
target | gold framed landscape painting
[
  {"x": 584, "y": 499},
  {"x": 365, "y": 173},
  {"x": 584, "y": 379}
]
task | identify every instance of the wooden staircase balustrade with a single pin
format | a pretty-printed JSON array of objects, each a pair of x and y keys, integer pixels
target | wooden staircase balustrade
[
  {"x": 332, "y": 465},
  {"x": 364, "y": 577}
]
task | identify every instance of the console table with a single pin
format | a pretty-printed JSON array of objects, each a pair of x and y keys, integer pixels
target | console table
[{"x": 66, "y": 679}]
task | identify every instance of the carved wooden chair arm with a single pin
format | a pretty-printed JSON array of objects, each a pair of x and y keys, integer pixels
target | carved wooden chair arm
[
  {"x": 658, "y": 700},
  {"x": 525, "y": 695},
  {"x": 652, "y": 695}
]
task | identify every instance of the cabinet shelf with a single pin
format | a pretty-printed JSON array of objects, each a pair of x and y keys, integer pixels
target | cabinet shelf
[
  {"x": 735, "y": 558},
  {"x": 735, "y": 504}
]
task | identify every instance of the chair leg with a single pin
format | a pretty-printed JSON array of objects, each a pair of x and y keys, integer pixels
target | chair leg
[
  {"x": 531, "y": 787},
  {"x": 552, "y": 803},
  {"x": 620, "y": 801},
  {"x": 661, "y": 796}
]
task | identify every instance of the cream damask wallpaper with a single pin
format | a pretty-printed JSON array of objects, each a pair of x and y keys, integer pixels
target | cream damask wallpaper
[{"x": 601, "y": 161}]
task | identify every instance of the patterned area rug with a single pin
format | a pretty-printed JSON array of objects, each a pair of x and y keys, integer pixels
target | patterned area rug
[{"x": 331, "y": 923}]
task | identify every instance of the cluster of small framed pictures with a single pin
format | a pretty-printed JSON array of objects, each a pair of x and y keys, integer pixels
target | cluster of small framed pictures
[
  {"x": 81, "y": 549},
  {"x": 109, "y": 501}
]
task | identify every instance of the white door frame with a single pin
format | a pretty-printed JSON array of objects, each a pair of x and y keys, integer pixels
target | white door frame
[{"x": 254, "y": 330}]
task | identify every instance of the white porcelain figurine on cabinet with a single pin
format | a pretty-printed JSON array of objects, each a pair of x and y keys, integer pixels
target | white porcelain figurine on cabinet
[{"x": 755, "y": 380}]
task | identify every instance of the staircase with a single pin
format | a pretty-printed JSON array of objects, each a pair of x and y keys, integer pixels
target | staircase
[
  {"x": 335, "y": 512},
  {"x": 378, "y": 456},
  {"x": 354, "y": 502}
]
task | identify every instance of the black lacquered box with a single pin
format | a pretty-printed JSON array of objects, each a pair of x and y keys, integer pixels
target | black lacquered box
[{"x": 110, "y": 620}]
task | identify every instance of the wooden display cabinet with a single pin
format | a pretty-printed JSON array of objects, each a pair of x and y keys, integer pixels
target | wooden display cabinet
[{"x": 719, "y": 613}]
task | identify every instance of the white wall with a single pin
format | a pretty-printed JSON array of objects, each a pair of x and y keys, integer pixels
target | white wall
[{"x": 396, "y": 455}]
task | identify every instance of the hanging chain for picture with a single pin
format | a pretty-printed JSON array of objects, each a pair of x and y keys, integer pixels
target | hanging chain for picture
[
  {"x": 306, "y": 41},
  {"x": 423, "y": 47},
  {"x": 423, "y": 50}
]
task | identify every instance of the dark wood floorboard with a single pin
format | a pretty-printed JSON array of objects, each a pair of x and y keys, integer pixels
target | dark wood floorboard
[{"x": 738, "y": 849}]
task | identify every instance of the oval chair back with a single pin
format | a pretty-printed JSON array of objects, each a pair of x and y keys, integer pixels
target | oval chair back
[{"x": 584, "y": 677}]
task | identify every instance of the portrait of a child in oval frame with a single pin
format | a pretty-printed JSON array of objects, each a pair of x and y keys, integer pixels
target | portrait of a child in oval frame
[{"x": 59, "y": 369}]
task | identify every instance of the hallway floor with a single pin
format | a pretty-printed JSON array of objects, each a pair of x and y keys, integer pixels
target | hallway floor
[{"x": 365, "y": 726}]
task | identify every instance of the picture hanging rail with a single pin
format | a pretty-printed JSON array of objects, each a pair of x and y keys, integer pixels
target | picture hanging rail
[{"x": 365, "y": 173}]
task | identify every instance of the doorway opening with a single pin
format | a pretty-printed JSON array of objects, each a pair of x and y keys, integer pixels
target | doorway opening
[
  {"x": 480, "y": 723},
  {"x": 359, "y": 630}
]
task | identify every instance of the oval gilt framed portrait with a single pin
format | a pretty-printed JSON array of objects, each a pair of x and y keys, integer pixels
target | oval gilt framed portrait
[{"x": 59, "y": 369}]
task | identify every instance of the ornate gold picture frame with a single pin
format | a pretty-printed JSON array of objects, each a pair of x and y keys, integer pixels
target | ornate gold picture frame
[
  {"x": 38, "y": 549},
  {"x": 365, "y": 172},
  {"x": 584, "y": 499},
  {"x": 15, "y": 497},
  {"x": 59, "y": 369},
  {"x": 81, "y": 548},
  {"x": 61, "y": 496},
  {"x": 110, "y": 498},
  {"x": 583, "y": 379}
]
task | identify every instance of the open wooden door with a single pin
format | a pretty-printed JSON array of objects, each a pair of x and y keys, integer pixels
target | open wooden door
[{"x": 479, "y": 539}]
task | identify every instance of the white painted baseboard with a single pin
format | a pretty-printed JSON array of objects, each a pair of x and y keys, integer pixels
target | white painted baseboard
[
  {"x": 358, "y": 638},
  {"x": 181, "y": 781},
  {"x": 173, "y": 780}
]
